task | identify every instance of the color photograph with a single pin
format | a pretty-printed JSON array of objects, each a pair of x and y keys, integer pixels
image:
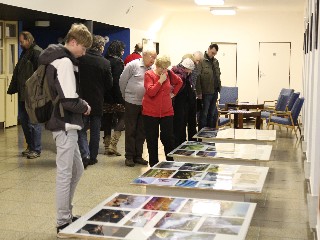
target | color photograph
[
  {"x": 127, "y": 201},
  {"x": 194, "y": 167},
  {"x": 108, "y": 215},
  {"x": 168, "y": 165},
  {"x": 140, "y": 219},
  {"x": 222, "y": 225},
  {"x": 165, "y": 181},
  {"x": 207, "y": 134},
  {"x": 207, "y": 185},
  {"x": 164, "y": 204},
  {"x": 158, "y": 173},
  {"x": 206, "y": 154},
  {"x": 192, "y": 147},
  {"x": 183, "y": 152},
  {"x": 188, "y": 175},
  {"x": 110, "y": 231},
  {"x": 210, "y": 176},
  {"x": 166, "y": 234},
  {"x": 144, "y": 180},
  {"x": 178, "y": 221},
  {"x": 186, "y": 183}
]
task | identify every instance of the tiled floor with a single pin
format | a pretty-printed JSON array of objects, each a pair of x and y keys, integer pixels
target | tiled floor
[{"x": 27, "y": 190}]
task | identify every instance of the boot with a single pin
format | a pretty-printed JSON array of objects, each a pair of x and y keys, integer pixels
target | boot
[
  {"x": 113, "y": 143},
  {"x": 106, "y": 141}
]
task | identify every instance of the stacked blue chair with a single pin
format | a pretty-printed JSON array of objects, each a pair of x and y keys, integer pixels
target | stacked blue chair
[{"x": 228, "y": 95}]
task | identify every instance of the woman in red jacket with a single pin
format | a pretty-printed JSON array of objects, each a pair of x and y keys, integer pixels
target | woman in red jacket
[{"x": 161, "y": 85}]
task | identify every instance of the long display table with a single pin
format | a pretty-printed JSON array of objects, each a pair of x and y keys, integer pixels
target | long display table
[
  {"x": 228, "y": 153},
  {"x": 145, "y": 217},
  {"x": 200, "y": 180}
]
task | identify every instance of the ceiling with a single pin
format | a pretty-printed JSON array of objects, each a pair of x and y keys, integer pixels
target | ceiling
[{"x": 241, "y": 5}]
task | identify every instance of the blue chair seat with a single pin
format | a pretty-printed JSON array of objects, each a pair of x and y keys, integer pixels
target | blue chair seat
[
  {"x": 280, "y": 120},
  {"x": 223, "y": 121},
  {"x": 265, "y": 114}
]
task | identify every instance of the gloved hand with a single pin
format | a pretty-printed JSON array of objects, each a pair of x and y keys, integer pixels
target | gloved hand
[{"x": 163, "y": 77}]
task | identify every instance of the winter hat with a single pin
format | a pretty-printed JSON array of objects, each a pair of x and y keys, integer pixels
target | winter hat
[{"x": 188, "y": 63}]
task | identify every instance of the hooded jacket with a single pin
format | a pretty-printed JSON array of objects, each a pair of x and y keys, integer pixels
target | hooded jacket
[{"x": 62, "y": 75}]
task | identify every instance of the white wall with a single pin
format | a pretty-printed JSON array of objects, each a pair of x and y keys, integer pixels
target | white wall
[{"x": 190, "y": 32}]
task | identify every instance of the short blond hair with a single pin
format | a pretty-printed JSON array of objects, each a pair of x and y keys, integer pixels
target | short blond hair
[
  {"x": 163, "y": 61},
  {"x": 81, "y": 34},
  {"x": 188, "y": 55}
]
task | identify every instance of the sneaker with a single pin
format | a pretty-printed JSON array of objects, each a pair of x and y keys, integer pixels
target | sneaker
[
  {"x": 33, "y": 154},
  {"x": 141, "y": 161},
  {"x": 93, "y": 161},
  {"x": 60, "y": 228},
  {"x": 129, "y": 163},
  {"x": 26, "y": 152},
  {"x": 85, "y": 162}
]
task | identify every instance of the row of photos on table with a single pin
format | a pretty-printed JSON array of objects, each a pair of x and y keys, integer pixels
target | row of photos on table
[{"x": 133, "y": 216}]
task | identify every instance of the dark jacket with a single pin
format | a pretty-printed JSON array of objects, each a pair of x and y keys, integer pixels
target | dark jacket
[
  {"x": 63, "y": 80},
  {"x": 95, "y": 80},
  {"x": 208, "y": 80},
  {"x": 114, "y": 95},
  {"x": 186, "y": 79},
  {"x": 27, "y": 64}
]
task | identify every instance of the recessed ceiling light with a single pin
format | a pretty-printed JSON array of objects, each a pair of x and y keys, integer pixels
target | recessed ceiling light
[
  {"x": 223, "y": 10},
  {"x": 209, "y": 2}
]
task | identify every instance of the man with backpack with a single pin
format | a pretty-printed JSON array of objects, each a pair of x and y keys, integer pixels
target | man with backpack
[
  {"x": 66, "y": 118},
  {"x": 27, "y": 64}
]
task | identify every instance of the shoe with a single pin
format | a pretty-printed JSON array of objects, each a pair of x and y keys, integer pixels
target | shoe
[
  {"x": 86, "y": 162},
  {"x": 26, "y": 152},
  {"x": 129, "y": 163},
  {"x": 33, "y": 154},
  {"x": 60, "y": 228},
  {"x": 93, "y": 161},
  {"x": 141, "y": 161}
]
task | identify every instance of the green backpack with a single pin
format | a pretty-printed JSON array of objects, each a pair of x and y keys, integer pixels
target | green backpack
[{"x": 38, "y": 101}]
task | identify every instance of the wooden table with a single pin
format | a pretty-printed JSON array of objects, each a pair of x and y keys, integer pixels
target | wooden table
[
  {"x": 238, "y": 118},
  {"x": 244, "y": 106}
]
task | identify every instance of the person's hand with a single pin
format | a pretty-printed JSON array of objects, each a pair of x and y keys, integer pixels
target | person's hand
[
  {"x": 172, "y": 95},
  {"x": 163, "y": 77},
  {"x": 88, "y": 110},
  {"x": 199, "y": 96}
]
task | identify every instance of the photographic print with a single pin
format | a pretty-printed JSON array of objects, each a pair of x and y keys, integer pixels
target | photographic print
[
  {"x": 186, "y": 183},
  {"x": 194, "y": 167},
  {"x": 141, "y": 218},
  {"x": 100, "y": 230},
  {"x": 165, "y": 181},
  {"x": 164, "y": 204},
  {"x": 206, "y": 154},
  {"x": 127, "y": 201},
  {"x": 144, "y": 180},
  {"x": 188, "y": 175},
  {"x": 216, "y": 208},
  {"x": 207, "y": 185},
  {"x": 183, "y": 152},
  {"x": 108, "y": 215},
  {"x": 213, "y": 168},
  {"x": 208, "y": 134},
  {"x": 165, "y": 234},
  {"x": 178, "y": 221},
  {"x": 168, "y": 165},
  {"x": 210, "y": 176},
  {"x": 211, "y": 148},
  {"x": 192, "y": 147},
  {"x": 157, "y": 173},
  {"x": 222, "y": 225}
]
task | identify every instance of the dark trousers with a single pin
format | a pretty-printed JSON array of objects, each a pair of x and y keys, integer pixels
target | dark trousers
[
  {"x": 208, "y": 115},
  {"x": 185, "y": 114},
  {"x": 134, "y": 132},
  {"x": 107, "y": 119},
  {"x": 32, "y": 132},
  {"x": 90, "y": 150},
  {"x": 151, "y": 125}
]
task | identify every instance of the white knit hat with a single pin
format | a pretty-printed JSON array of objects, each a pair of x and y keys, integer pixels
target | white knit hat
[{"x": 188, "y": 63}]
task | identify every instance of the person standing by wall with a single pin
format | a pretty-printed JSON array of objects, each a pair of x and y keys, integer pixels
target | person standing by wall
[
  {"x": 26, "y": 66},
  {"x": 157, "y": 110},
  {"x": 208, "y": 86},
  {"x": 132, "y": 88},
  {"x": 63, "y": 80},
  {"x": 114, "y": 103},
  {"x": 135, "y": 55},
  {"x": 95, "y": 81}
]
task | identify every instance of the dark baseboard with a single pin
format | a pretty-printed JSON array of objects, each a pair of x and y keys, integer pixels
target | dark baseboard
[{"x": 1, "y": 125}]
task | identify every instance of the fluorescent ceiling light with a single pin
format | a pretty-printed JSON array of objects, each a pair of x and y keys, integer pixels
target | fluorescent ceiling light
[
  {"x": 223, "y": 10},
  {"x": 209, "y": 2}
]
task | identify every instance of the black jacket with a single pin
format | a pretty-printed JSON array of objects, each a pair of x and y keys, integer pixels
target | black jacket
[
  {"x": 114, "y": 95},
  {"x": 95, "y": 80},
  {"x": 27, "y": 64}
]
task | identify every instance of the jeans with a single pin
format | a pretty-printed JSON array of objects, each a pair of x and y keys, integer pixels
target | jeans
[
  {"x": 91, "y": 149},
  {"x": 69, "y": 171},
  {"x": 208, "y": 115},
  {"x": 32, "y": 132}
]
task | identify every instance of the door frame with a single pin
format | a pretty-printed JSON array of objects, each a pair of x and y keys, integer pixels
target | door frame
[{"x": 290, "y": 47}]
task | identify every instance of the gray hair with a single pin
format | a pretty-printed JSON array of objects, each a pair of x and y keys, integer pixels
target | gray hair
[{"x": 149, "y": 50}]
